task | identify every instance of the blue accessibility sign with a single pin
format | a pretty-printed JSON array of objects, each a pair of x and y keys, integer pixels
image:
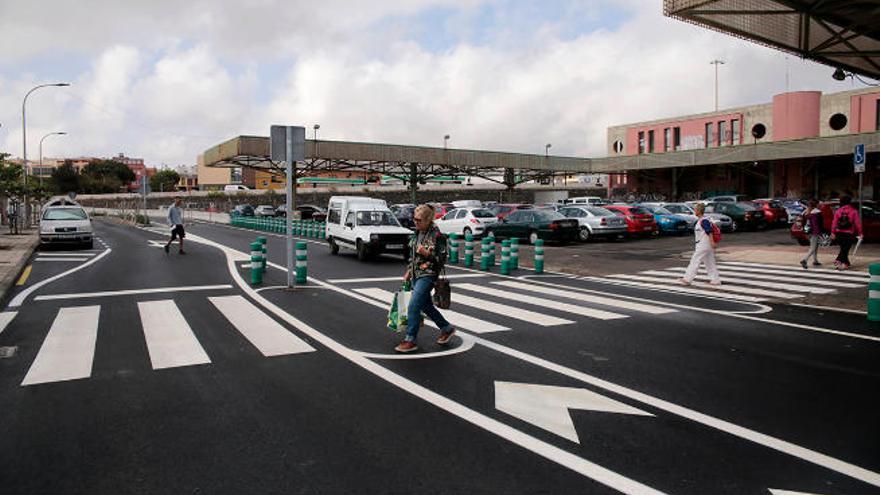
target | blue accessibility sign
[{"x": 859, "y": 159}]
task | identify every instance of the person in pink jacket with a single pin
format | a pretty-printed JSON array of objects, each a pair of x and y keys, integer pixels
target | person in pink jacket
[{"x": 846, "y": 229}]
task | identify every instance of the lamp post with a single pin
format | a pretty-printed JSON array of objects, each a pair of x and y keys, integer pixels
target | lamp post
[
  {"x": 316, "y": 127},
  {"x": 41, "y": 152},
  {"x": 716, "y": 63},
  {"x": 24, "y": 132},
  {"x": 445, "y": 141}
]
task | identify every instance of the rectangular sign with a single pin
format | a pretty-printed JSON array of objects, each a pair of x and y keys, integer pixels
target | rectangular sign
[
  {"x": 859, "y": 159},
  {"x": 278, "y": 143}
]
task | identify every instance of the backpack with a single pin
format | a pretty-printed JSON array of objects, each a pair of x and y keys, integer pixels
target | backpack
[
  {"x": 716, "y": 233},
  {"x": 843, "y": 222}
]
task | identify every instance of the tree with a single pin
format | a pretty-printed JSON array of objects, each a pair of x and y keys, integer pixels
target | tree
[
  {"x": 107, "y": 176},
  {"x": 65, "y": 178},
  {"x": 164, "y": 180}
]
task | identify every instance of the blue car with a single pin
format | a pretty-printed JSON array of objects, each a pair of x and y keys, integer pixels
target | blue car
[{"x": 668, "y": 222}]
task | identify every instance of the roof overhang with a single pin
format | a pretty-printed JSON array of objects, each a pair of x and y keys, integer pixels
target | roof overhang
[{"x": 839, "y": 33}]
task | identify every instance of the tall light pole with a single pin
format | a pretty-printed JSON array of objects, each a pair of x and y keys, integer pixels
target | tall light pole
[
  {"x": 316, "y": 127},
  {"x": 41, "y": 151},
  {"x": 445, "y": 141},
  {"x": 716, "y": 63},
  {"x": 24, "y": 135}
]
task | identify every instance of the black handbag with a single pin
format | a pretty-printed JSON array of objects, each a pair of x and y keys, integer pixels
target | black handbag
[{"x": 442, "y": 297}]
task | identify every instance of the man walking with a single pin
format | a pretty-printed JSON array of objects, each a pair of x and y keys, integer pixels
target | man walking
[
  {"x": 175, "y": 221},
  {"x": 704, "y": 250}
]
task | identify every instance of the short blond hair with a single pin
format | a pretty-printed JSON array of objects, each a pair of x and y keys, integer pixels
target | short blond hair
[
  {"x": 422, "y": 210},
  {"x": 699, "y": 208}
]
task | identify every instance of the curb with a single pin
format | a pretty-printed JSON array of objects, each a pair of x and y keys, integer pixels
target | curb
[{"x": 7, "y": 282}]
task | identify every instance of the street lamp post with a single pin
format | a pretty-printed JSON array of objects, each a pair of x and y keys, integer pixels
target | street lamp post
[
  {"x": 445, "y": 141},
  {"x": 41, "y": 152},
  {"x": 716, "y": 63},
  {"x": 24, "y": 131}
]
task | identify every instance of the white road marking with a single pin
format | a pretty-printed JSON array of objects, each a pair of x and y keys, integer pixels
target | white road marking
[
  {"x": 467, "y": 343},
  {"x": 266, "y": 334},
  {"x": 514, "y": 312},
  {"x": 606, "y": 301},
  {"x": 721, "y": 292},
  {"x": 392, "y": 279},
  {"x": 826, "y": 308},
  {"x": 789, "y": 492},
  {"x": 688, "y": 290},
  {"x": 820, "y": 270},
  {"x": 69, "y": 348},
  {"x": 746, "y": 281},
  {"x": 799, "y": 273},
  {"x": 6, "y": 317},
  {"x": 729, "y": 275},
  {"x": 539, "y": 301},
  {"x": 458, "y": 320},
  {"x": 68, "y": 260},
  {"x": 27, "y": 292},
  {"x": 170, "y": 340},
  {"x": 129, "y": 292},
  {"x": 62, "y": 255}
]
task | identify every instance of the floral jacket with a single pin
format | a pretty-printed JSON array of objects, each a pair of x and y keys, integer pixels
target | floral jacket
[{"x": 431, "y": 265}]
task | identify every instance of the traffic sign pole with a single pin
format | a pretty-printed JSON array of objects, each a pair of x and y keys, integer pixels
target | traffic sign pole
[{"x": 859, "y": 159}]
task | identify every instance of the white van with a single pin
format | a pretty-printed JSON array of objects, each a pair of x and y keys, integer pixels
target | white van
[
  {"x": 585, "y": 200},
  {"x": 366, "y": 226},
  {"x": 235, "y": 188}
]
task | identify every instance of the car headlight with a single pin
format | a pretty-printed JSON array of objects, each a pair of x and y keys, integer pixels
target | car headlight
[{"x": 374, "y": 237}]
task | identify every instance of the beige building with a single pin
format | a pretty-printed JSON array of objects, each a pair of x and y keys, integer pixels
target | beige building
[{"x": 211, "y": 178}]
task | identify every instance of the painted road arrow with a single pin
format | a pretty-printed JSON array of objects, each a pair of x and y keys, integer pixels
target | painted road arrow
[{"x": 547, "y": 406}]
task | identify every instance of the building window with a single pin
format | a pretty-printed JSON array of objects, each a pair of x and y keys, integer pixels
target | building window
[
  {"x": 641, "y": 142},
  {"x": 676, "y": 138},
  {"x": 734, "y": 126},
  {"x": 722, "y": 133},
  {"x": 667, "y": 138},
  {"x": 710, "y": 135},
  {"x": 650, "y": 141}
]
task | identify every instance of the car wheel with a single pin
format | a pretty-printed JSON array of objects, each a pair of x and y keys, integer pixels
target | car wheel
[
  {"x": 584, "y": 234},
  {"x": 824, "y": 239},
  {"x": 734, "y": 226},
  {"x": 361, "y": 250},
  {"x": 90, "y": 244},
  {"x": 334, "y": 248},
  {"x": 533, "y": 236}
]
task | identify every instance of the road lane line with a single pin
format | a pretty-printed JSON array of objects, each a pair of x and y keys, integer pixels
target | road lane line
[
  {"x": 458, "y": 320},
  {"x": 747, "y": 282},
  {"x": 69, "y": 348},
  {"x": 61, "y": 255},
  {"x": 68, "y": 260},
  {"x": 130, "y": 292},
  {"x": 780, "y": 267},
  {"x": 540, "y": 301},
  {"x": 729, "y": 275},
  {"x": 6, "y": 318},
  {"x": 27, "y": 292},
  {"x": 827, "y": 308},
  {"x": 721, "y": 291},
  {"x": 24, "y": 275},
  {"x": 266, "y": 334},
  {"x": 392, "y": 279},
  {"x": 605, "y": 301},
  {"x": 170, "y": 340}
]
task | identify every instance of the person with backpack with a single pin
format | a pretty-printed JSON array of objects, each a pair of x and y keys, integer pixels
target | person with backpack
[
  {"x": 427, "y": 256},
  {"x": 846, "y": 229},
  {"x": 706, "y": 238},
  {"x": 812, "y": 227}
]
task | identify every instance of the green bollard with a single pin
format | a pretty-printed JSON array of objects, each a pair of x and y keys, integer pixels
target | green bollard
[
  {"x": 301, "y": 263},
  {"x": 492, "y": 245},
  {"x": 262, "y": 240},
  {"x": 874, "y": 292},
  {"x": 453, "y": 249},
  {"x": 514, "y": 253},
  {"x": 256, "y": 263},
  {"x": 539, "y": 257},
  {"x": 505, "y": 257},
  {"x": 484, "y": 254},
  {"x": 469, "y": 250}
]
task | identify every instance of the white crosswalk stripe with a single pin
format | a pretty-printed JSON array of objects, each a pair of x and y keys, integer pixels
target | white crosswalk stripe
[
  {"x": 791, "y": 277},
  {"x": 538, "y": 301},
  {"x": 745, "y": 281},
  {"x": 799, "y": 273},
  {"x": 718, "y": 292},
  {"x": 170, "y": 340},
  {"x": 578, "y": 296},
  {"x": 69, "y": 348},
  {"x": 266, "y": 334},
  {"x": 778, "y": 267}
]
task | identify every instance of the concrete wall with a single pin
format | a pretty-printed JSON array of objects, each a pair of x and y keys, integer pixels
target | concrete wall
[
  {"x": 796, "y": 115},
  {"x": 212, "y": 176}
]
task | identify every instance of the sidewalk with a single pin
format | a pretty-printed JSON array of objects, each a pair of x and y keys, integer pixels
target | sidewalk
[{"x": 15, "y": 250}]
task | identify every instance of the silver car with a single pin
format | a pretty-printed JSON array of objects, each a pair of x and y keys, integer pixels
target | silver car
[
  {"x": 724, "y": 222},
  {"x": 595, "y": 221}
]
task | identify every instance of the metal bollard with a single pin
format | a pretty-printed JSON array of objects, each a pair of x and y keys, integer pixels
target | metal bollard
[
  {"x": 323, "y": 230},
  {"x": 256, "y": 263},
  {"x": 874, "y": 292},
  {"x": 301, "y": 263},
  {"x": 484, "y": 254},
  {"x": 514, "y": 253},
  {"x": 492, "y": 245},
  {"x": 539, "y": 257},
  {"x": 505, "y": 257},
  {"x": 453, "y": 249},
  {"x": 262, "y": 241},
  {"x": 469, "y": 250}
]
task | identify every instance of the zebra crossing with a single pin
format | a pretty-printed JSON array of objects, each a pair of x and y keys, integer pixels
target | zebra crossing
[
  {"x": 68, "y": 351},
  {"x": 748, "y": 282}
]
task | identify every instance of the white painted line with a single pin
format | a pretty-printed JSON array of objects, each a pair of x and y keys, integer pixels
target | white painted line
[
  {"x": 467, "y": 343},
  {"x": 130, "y": 292},
  {"x": 62, "y": 255},
  {"x": 679, "y": 289},
  {"x": 606, "y": 301},
  {"x": 69, "y": 348},
  {"x": 826, "y": 308},
  {"x": 61, "y": 259},
  {"x": 6, "y": 318},
  {"x": 841, "y": 276},
  {"x": 746, "y": 281},
  {"x": 539, "y": 301},
  {"x": 170, "y": 340},
  {"x": 393, "y": 279},
  {"x": 785, "y": 267},
  {"x": 729, "y": 275},
  {"x": 514, "y": 312},
  {"x": 457, "y": 319},
  {"x": 266, "y": 334},
  {"x": 721, "y": 292},
  {"x": 27, "y": 292}
]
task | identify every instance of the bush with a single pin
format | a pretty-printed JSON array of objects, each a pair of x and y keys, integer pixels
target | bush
[{"x": 142, "y": 219}]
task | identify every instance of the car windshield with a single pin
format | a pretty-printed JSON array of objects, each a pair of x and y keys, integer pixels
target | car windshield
[
  {"x": 376, "y": 218},
  {"x": 747, "y": 206},
  {"x": 638, "y": 210},
  {"x": 65, "y": 214},
  {"x": 617, "y": 212},
  {"x": 548, "y": 215},
  {"x": 658, "y": 210},
  {"x": 482, "y": 214},
  {"x": 775, "y": 204},
  {"x": 679, "y": 209},
  {"x": 600, "y": 212}
]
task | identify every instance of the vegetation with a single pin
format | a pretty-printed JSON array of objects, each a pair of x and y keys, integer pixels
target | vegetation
[{"x": 164, "y": 180}]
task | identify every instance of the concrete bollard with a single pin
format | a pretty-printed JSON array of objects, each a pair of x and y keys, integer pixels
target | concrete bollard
[
  {"x": 539, "y": 257},
  {"x": 514, "y": 253},
  {"x": 484, "y": 254},
  {"x": 453, "y": 249},
  {"x": 262, "y": 240},
  {"x": 323, "y": 230},
  {"x": 505, "y": 257},
  {"x": 301, "y": 263},
  {"x": 492, "y": 244},
  {"x": 256, "y": 263},
  {"x": 874, "y": 292},
  {"x": 469, "y": 250}
]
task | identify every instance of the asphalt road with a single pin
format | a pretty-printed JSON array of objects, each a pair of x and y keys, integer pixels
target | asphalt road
[{"x": 134, "y": 371}]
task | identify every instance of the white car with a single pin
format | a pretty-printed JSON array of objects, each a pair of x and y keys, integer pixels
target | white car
[
  {"x": 464, "y": 221},
  {"x": 264, "y": 211},
  {"x": 66, "y": 224},
  {"x": 366, "y": 226}
]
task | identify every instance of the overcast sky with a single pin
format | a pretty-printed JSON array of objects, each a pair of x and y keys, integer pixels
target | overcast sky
[{"x": 164, "y": 79}]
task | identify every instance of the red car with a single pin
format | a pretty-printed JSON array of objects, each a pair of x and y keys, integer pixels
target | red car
[
  {"x": 502, "y": 210},
  {"x": 440, "y": 210},
  {"x": 870, "y": 223},
  {"x": 639, "y": 221},
  {"x": 774, "y": 212}
]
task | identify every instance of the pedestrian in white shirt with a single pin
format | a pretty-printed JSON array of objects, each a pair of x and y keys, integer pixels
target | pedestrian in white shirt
[
  {"x": 175, "y": 221},
  {"x": 704, "y": 250}
]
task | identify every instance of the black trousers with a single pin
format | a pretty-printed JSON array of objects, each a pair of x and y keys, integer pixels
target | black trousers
[{"x": 845, "y": 241}]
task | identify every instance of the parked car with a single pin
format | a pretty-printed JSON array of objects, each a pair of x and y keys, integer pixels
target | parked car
[
  {"x": 312, "y": 212},
  {"x": 441, "y": 209},
  {"x": 594, "y": 221},
  {"x": 404, "y": 214},
  {"x": 794, "y": 208},
  {"x": 687, "y": 212},
  {"x": 639, "y": 221},
  {"x": 531, "y": 224},
  {"x": 235, "y": 188},
  {"x": 243, "y": 211},
  {"x": 468, "y": 220},
  {"x": 730, "y": 198},
  {"x": 774, "y": 213},
  {"x": 66, "y": 224},
  {"x": 366, "y": 226},
  {"x": 584, "y": 200},
  {"x": 502, "y": 210},
  {"x": 745, "y": 214},
  {"x": 870, "y": 223},
  {"x": 668, "y": 222},
  {"x": 264, "y": 211}
]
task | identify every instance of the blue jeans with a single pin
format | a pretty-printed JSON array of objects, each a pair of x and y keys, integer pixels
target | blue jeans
[{"x": 420, "y": 302}]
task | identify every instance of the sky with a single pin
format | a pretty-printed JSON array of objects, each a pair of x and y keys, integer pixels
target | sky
[{"x": 164, "y": 80}]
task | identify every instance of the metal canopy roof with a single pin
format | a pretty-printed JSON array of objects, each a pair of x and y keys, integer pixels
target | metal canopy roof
[{"x": 839, "y": 33}]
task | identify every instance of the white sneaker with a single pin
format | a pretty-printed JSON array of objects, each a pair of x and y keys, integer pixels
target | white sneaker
[
  {"x": 683, "y": 281},
  {"x": 717, "y": 283}
]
